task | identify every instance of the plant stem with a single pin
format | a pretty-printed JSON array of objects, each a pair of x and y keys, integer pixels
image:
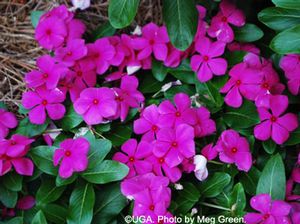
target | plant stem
[
  {"x": 214, "y": 206},
  {"x": 215, "y": 162}
]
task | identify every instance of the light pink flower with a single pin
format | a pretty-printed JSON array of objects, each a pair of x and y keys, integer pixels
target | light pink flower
[
  {"x": 273, "y": 123},
  {"x": 12, "y": 153},
  {"x": 7, "y": 121},
  {"x": 134, "y": 155},
  {"x": 95, "y": 104},
  {"x": 154, "y": 39},
  {"x": 72, "y": 156},
  {"x": 42, "y": 100},
  {"x": 127, "y": 96},
  {"x": 290, "y": 64},
  {"x": 48, "y": 74},
  {"x": 74, "y": 51},
  {"x": 276, "y": 211},
  {"x": 175, "y": 144},
  {"x": 228, "y": 14},
  {"x": 207, "y": 62},
  {"x": 234, "y": 149}
]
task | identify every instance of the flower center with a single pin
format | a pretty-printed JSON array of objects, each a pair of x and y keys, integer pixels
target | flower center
[
  {"x": 69, "y": 53},
  {"x": 151, "y": 207},
  {"x": 95, "y": 101},
  {"x": 161, "y": 160},
  {"x": 44, "y": 102},
  {"x": 48, "y": 32},
  {"x": 154, "y": 128},
  {"x": 79, "y": 73},
  {"x": 177, "y": 114},
  {"x": 266, "y": 216},
  {"x": 12, "y": 142},
  {"x": 234, "y": 150},
  {"x": 273, "y": 119},
  {"x": 205, "y": 58},
  {"x": 224, "y": 19},
  {"x": 151, "y": 42},
  {"x": 45, "y": 75},
  {"x": 119, "y": 98},
  {"x": 131, "y": 159},
  {"x": 68, "y": 153},
  {"x": 174, "y": 144},
  {"x": 238, "y": 82},
  {"x": 265, "y": 85}
]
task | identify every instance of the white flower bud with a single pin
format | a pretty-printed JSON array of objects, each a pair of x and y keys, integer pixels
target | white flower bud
[
  {"x": 81, "y": 4},
  {"x": 201, "y": 172},
  {"x": 178, "y": 187},
  {"x": 132, "y": 69},
  {"x": 137, "y": 31}
]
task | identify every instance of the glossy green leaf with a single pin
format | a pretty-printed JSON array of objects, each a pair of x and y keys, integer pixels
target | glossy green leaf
[
  {"x": 99, "y": 148},
  {"x": 104, "y": 30},
  {"x": 71, "y": 119},
  {"x": 187, "y": 198},
  {"x": 35, "y": 17},
  {"x": 181, "y": 19},
  {"x": 269, "y": 146},
  {"x": 55, "y": 213},
  {"x": 122, "y": 13},
  {"x": 62, "y": 182},
  {"x": 119, "y": 134},
  {"x": 7, "y": 197},
  {"x": 248, "y": 33},
  {"x": 13, "y": 181},
  {"x": 289, "y": 4},
  {"x": 39, "y": 218},
  {"x": 107, "y": 171},
  {"x": 16, "y": 220},
  {"x": 183, "y": 72},
  {"x": 214, "y": 184},
  {"x": 81, "y": 205},
  {"x": 250, "y": 179},
  {"x": 294, "y": 138},
  {"x": 237, "y": 199},
  {"x": 159, "y": 71},
  {"x": 28, "y": 129},
  {"x": 272, "y": 180}
]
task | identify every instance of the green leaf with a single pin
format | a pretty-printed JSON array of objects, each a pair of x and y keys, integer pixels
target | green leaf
[
  {"x": 16, "y": 220},
  {"x": 48, "y": 192},
  {"x": 107, "y": 171},
  {"x": 183, "y": 72},
  {"x": 104, "y": 30},
  {"x": 246, "y": 115},
  {"x": 287, "y": 41},
  {"x": 278, "y": 18},
  {"x": 237, "y": 199},
  {"x": 39, "y": 218},
  {"x": 62, "y": 182},
  {"x": 269, "y": 146},
  {"x": 181, "y": 18},
  {"x": 119, "y": 135},
  {"x": 235, "y": 57},
  {"x": 13, "y": 181},
  {"x": 28, "y": 129},
  {"x": 214, "y": 184},
  {"x": 149, "y": 84},
  {"x": 7, "y": 197},
  {"x": 109, "y": 203},
  {"x": 122, "y": 13},
  {"x": 71, "y": 119},
  {"x": 272, "y": 180},
  {"x": 42, "y": 158},
  {"x": 248, "y": 33},
  {"x": 99, "y": 148},
  {"x": 55, "y": 213},
  {"x": 294, "y": 138},
  {"x": 250, "y": 180},
  {"x": 187, "y": 198},
  {"x": 81, "y": 204},
  {"x": 35, "y": 17},
  {"x": 159, "y": 71},
  {"x": 289, "y": 4}
]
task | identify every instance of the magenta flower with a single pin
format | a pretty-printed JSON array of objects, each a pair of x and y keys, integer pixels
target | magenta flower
[
  {"x": 290, "y": 64},
  {"x": 154, "y": 39},
  {"x": 26, "y": 202},
  {"x": 171, "y": 115},
  {"x": 276, "y": 211},
  {"x": 7, "y": 121},
  {"x": 175, "y": 144},
  {"x": 206, "y": 63},
  {"x": 243, "y": 81},
  {"x": 273, "y": 123},
  {"x": 76, "y": 29},
  {"x": 74, "y": 51},
  {"x": 234, "y": 149},
  {"x": 127, "y": 96},
  {"x": 42, "y": 100},
  {"x": 51, "y": 33},
  {"x": 174, "y": 56},
  {"x": 95, "y": 104},
  {"x": 101, "y": 52},
  {"x": 12, "y": 153},
  {"x": 120, "y": 51},
  {"x": 209, "y": 152},
  {"x": 60, "y": 12},
  {"x": 134, "y": 155},
  {"x": 84, "y": 73},
  {"x": 236, "y": 46},
  {"x": 48, "y": 74},
  {"x": 72, "y": 156},
  {"x": 148, "y": 124},
  {"x": 228, "y": 14}
]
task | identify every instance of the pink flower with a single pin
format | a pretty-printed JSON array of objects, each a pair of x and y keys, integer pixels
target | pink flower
[
  {"x": 72, "y": 156},
  {"x": 95, "y": 104},
  {"x": 51, "y": 33},
  {"x": 26, "y": 202},
  {"x": 120, "y": 51},
  {"x": 48, "y": 74},
  {"x": 290, "y": 64},
  {"x": 76, "y": 29},
  {"x": 202, "y": 25},
  {"x": 171, "y": 115},
  {"x": 174, "y": 56},
  {"x": 84, "y": 73},
  {"x": 74, "y": 51},
  {"x": 101, "y": 52},
  {"x": 7, "y": 121},
  {"x": 234, "y": 149},
  {"x": 206, "y": 62},
  {"x": 243, "y": 81},
  {"x": 228, "y": 14},
  {"x": 276, "y": 211},
  {"x": 175, "y": 144},
  {"x": 12, "y": 153},
  {"x": 154, "y": 39},
  {"x": 134, "y": 155},
  {"x": 209, "y": 152},
  {"x": 273, "y": 123},
  {"x": 148, "y": 124},
  {"x": 42, "y": 100},
  {"x": 60, "y": 12},
  {"x": 201, "y": 122},
  {"x": 127, "y": 96},
  {"x": 236, "y": 46}
]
